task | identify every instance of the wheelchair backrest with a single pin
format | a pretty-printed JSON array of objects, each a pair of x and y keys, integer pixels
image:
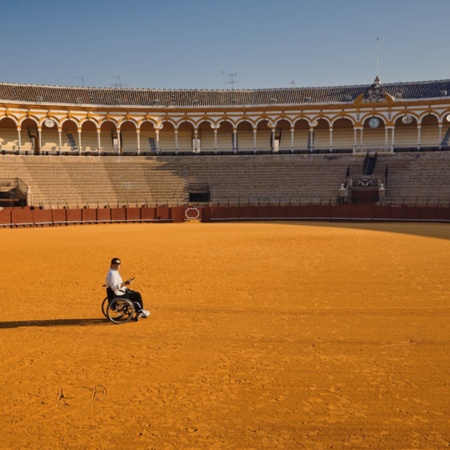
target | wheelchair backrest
[{"x": 109, "y": 293}]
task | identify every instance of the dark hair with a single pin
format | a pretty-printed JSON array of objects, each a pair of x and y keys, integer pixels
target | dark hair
[{"x": 115, "y": 261}]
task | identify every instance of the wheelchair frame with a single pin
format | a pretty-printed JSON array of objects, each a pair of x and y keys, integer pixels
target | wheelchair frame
[{"x": 118, "y": 310}]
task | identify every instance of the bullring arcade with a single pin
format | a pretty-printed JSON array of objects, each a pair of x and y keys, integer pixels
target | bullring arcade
[{"x": 103, "y": 121}]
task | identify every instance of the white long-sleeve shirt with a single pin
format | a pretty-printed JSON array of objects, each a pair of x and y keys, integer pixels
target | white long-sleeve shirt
[{"x": 114, "y": 280}]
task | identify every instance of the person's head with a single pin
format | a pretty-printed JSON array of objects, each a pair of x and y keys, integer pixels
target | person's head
[{"x": 115, "y": 263}]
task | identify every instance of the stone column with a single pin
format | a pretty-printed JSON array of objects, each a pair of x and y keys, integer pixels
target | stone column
[
  {"x": 79, "y": 141},
  {"x": 99, "y": 140},
  {"x": 19, "y": 140},
  {"x": 138, "y": 140},
  {"x": 60, "y": 139}
]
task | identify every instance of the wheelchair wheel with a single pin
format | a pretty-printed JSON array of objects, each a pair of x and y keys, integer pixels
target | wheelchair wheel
[
  {"x": 120, "y": 310},
  {"x": 105, "y": 307}
]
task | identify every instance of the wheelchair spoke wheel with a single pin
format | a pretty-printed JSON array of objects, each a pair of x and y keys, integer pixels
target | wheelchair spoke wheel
[
  {"x": 105, "y": 307},
  {"x": 120, "y": 310}
]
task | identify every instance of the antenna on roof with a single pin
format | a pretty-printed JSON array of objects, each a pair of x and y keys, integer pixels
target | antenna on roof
[
  {"x": 378, "y": 57},
  {"x": 232, "y": 80},
  {"x": 82, "y": 80},
  {"x": 292, "y": 83},
  {"x": 119, "y": 84}
]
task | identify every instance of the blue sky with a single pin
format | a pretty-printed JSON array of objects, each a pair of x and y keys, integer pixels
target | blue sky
[{"x": 201, "y": 44}]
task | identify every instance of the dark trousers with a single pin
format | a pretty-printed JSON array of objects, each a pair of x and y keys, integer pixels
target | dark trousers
[{"x": 135, "y": 297}]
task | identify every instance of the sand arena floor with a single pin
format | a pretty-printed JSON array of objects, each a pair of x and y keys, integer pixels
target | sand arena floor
[{"x": 268, "y": 335}]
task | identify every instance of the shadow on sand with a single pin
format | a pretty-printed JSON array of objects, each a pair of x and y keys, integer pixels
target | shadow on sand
[{"x": 54, "y": 323}]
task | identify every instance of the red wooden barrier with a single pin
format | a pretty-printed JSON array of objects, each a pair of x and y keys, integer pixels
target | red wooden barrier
[
  {"x": 89, "y": 215},
  {"x": 118, "y": 214},
  {"x": 133, "y": 214},
  {"x": 443, "y": 214},
  {"x": 22, "y": 217},
  {"x": 59, "y": 216},
  {"x": 178, "y": 213},
  {"x": 5, "y": 218},
  {"x": 103, "y": 215},
  {"x": 43, "y": 217},
  {"x": 163, "y": 213},
  {"x": 73, "y": 216},
  {"x": 148, "y": 213}
]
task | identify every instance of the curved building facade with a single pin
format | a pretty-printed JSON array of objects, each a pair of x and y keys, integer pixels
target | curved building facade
[{"x": 382, "y": 118}]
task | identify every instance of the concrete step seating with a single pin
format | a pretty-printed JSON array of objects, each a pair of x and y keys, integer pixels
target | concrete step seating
[{"x": 77, "y": 181}]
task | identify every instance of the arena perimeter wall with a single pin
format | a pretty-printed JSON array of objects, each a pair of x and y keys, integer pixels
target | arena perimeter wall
[{"x": 18, "y": 217}]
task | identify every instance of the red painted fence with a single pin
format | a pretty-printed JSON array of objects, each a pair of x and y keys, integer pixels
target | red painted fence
[{"x": 16, "y": 217}]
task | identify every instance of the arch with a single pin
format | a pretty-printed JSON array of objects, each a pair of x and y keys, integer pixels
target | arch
[
  {"x": 109, "y": 136},
  {"x": 167, "y": 141},
  {"x": 147, "y": 136},
  {"x": 89, "y": 136},
  {"x": 127, "y": 120},
  {"x": 49, "y": 135},
  {"x": 263, "y": 135},
  {"x": 205, "y": 136},
  {"x": 27, "y": 119},
  {"x": 429, "y": 117},
  {"x": 320, "y": 139},
  {"x": 301, "y": 134},
  {"x": 225, "y": 136},
  {"x": 245, "y": 120},
  {"x": 405, "y": 132},
  {"x": 29, "y": 135},
  {"x": 343, "y": 117},
  {"x": 128, "y": 136},
  {"x": 104, "y": 120},
  {"x": 430, "y": 133},
  {"x": 145, "y": 120},
  {"x": 343, "y": 133},
  {"x": 283, "y": 134},
  {"x": 9, "y": 137},
  {"x": 185, "y": 135},
  {"x": 245, "y": 135}
]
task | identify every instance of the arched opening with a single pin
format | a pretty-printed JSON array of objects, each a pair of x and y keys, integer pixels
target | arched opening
[
  {"x": 429, "y": 133},
  {"x": 167, "y": 142},
  {"x": 282, "y": 135},
  {"x": 49, "y": 137},
  {"x": 128, "y": 136},
  {"x": 343, "y": 134},
  {"x": 205, "y": 137},
  {"x": 148, "y": 137},
  {"x": 9, "y": 137},
  {"x": 321, "y": 136},
  {"x": 244, "y": 137},
  {"x": 263, "y": 136},
  {"x": 405, "y": 133},
  {"x": 29, "y": 137},
  {"x": 89, "y": 137},
  {"x": 301, "y": 135},
  {"x": 185, "y": 137},
  {"x": 225, "y": 137},
  {"x": 374, "y": 135},
  {"x": 109, "y": 138}
]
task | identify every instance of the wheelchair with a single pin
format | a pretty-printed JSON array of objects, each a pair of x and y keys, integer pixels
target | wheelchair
[{"x": 118, "y": 310}]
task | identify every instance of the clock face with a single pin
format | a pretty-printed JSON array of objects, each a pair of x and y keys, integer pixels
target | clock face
[
  {"x": 49, "y": 123},
  {"x": 374, "y": 122},
  {"x": 407, "y": 119}
]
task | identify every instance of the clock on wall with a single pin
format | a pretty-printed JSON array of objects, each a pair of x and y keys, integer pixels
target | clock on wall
[
  {"x": 374, "y": 122},
  {"x": 407, "y": 120},
  {"x": 49, "y": 123}
]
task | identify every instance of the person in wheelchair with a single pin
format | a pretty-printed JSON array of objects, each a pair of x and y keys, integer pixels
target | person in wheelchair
[{"x": 119, "y": 289}]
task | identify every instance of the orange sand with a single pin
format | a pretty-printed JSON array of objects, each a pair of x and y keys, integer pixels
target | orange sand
[{"x": 278, "y": 335}]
